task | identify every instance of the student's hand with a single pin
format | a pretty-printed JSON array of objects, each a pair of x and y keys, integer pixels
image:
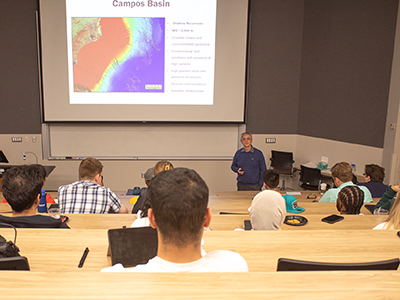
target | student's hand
[
  {"x": 240, "y": 171},
  {"x": 317, "y": 199},
  {"x": 396, "y": 188}
]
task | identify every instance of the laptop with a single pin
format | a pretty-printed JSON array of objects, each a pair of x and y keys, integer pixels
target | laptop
[
  {"x": 132, "y": 246},
  {"x": 3, "y": 158},
  {"x": 370, "y": 207}
]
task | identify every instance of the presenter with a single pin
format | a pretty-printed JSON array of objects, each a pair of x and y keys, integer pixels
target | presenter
[{"x": 249, "y": 164}]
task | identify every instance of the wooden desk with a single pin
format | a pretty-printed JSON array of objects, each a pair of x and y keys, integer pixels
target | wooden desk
[
  {"x": 239, "y": 202},
  {"x": 60, "y": 250},
  {"x": 314, "y": 212},
  {"x": 272, "y": 285}
]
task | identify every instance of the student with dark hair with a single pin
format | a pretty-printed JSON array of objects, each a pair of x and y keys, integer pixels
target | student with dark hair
[
  {"x": 148, "y": 176},
  {"x": 88, "y": 195},
  {"x": 350, "y": 200},
  {"x": 22, "y": 187},
  {"x": 142, "y": 220},
  {"x": 43, "y": 173},
  {"x": 271, "y": 180},
  {"x": 178, "y": 209},
  {"x": 342, "y": 175},
  {"x": 373, "y": 177}
]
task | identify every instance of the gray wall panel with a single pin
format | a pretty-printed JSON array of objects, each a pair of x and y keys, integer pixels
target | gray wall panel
[
  {"x": 274, "y": 65},
  {"x": 346, "y": 66},
  {"x": 19, "y": 87}
]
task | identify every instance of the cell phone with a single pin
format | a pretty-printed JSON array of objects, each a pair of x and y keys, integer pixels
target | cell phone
[
  {"x": 247, "y": 225},
  {"x": 332, "y": 219}
]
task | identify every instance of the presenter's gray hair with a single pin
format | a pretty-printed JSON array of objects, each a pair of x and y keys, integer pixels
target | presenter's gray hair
[{"x": 246, "y": 133}]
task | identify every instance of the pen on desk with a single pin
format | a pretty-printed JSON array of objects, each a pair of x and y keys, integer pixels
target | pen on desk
[{"x": 85, "y": 253}]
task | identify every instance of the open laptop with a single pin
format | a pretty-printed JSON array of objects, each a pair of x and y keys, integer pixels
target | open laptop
[
  {"x": 132, "y": 246},
  {"x": 3, "y": 158}
]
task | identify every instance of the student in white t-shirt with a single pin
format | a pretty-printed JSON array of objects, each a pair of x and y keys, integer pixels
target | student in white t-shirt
[
  {"x": 178, "y": 209},
  {"x": 393, "y": 220}
]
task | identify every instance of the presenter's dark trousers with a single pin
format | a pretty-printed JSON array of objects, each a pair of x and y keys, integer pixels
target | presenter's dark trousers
[{"x": 245, "y": 187}]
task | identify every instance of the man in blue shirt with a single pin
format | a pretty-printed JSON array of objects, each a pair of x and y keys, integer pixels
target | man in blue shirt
[{"x": 249, "y": 164}]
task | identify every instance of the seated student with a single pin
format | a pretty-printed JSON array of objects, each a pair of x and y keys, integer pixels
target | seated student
[
  {"x": 142, "y": 219},
  {"x": 373, "y": 177},
  {"x": 43, "y": 173},
  {"x": 271, "y": 182},
  {"x": 388, "y": 198},
  {"x": 342, "y": 177},
  {"x": 393, "y": 220},
  {"x": 178, "y": 209},
  {"x": 88, "y": 196},
  {"x": 267, "y": 211},
  {"x": 143, "y": 191},
  {"x": 21, "y": 187},
  {"x": 350, "y": 200}
]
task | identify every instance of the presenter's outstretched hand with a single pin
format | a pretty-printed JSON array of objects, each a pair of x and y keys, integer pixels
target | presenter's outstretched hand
[{"x": 240, "y": 171}]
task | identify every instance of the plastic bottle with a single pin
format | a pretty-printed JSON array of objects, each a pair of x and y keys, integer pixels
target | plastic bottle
[
  {"x": 42, "y": 208},
  {"x": 353, "y": 166}
]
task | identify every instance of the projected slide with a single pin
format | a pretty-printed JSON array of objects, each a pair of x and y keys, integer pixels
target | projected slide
[
  {"x": 141, "y": 52},
  {"x": 118, "y": 54}
]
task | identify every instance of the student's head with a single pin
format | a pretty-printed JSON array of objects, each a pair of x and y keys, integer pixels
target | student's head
[
  {"x": 342, "y": 171},
  {"x": 41, "y": 170},
  {"x": 268, "y": 211},
  {"x": 21, "y": 186},
  {"x": 178, "y": 201},
  {"x": 162, "y": 165},
  {"x": 393, "y": 220},
  {"x": 90, "y": 168},
  {"x": 271, "y": 179},
  {"x": 350, "y": 200},
  {"x": 148, "y": 175},
  {"x": 374, "y": 173}
]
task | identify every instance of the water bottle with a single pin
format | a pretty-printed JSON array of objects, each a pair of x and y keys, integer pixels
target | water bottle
[
  {"x": 353, "y": 166},
  {"x": 42, "y": 208}
]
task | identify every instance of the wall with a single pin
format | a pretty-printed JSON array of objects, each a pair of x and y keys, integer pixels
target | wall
[
  {"x": 118, "y": 175},
  {"x": 345, "y": 69},
  {"x": 19, "y": 76}
]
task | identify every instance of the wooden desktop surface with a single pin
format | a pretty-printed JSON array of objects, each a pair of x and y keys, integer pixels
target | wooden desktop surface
[
  {"x": 227, "y": 222},
  {"x": 60, "y": 250},
  {"x": 264, "y": 285}
]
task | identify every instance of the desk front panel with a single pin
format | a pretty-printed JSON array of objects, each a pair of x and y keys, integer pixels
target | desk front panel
[
  {"x": 60, "y": 250},
  {"x": 272, "y": 285}
]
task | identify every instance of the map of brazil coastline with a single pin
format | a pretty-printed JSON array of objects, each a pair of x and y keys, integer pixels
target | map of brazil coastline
[{"x": 118, "y": 54}]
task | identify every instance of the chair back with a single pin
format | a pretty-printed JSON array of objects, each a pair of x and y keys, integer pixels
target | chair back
[
  {"x": 286, "y": 264},
  {"x": 282, "y": 162},
  {"x": 310, "y": 176},
  {"x": 14, "y": 263}
]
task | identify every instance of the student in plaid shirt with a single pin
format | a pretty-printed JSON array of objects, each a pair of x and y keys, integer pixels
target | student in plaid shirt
[{"x": 88, "y": 195}]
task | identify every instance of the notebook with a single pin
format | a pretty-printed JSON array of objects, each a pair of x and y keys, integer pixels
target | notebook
[{"x": 132, "y": 246}]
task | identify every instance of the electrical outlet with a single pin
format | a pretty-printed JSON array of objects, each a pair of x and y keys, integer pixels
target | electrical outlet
[
  {"x": 16, "y": 139},
  {"x": 270, "y": 140}
]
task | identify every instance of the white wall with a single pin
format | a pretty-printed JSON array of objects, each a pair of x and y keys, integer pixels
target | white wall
[
  {"x": 309, "y": 149},
  {"x": 392, "y": 136},
  {"x": 120, "y": 175}
]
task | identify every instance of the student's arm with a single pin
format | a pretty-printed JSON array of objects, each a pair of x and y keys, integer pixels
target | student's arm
[
  {"x": 123, "y": 209},
  {"x": 388, "y": 198}
]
